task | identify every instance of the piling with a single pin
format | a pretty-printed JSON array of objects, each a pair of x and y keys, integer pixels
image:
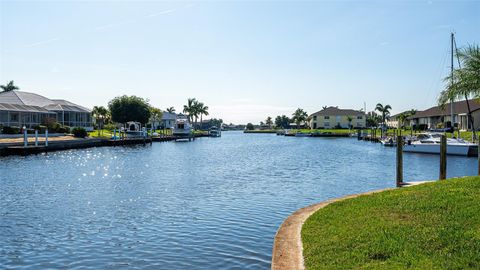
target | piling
[
  {"x": 399, "y": 161},
  {"x": 36, "y": 137},
  {"x": 478, "y": 157},
  {"x": 443, "y": 158},
  {"x": 25, "y": 137},
  {"x": 46, "y": 137}
]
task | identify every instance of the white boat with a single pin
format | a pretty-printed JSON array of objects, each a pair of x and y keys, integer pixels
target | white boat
[
  {"x": 299, "y": 134},
  {"x": 214, "y": 132},
  {"x": 429, "y": 143},
  {"x": 182, "y": 129},
  {"x": 388, "y": 142}
]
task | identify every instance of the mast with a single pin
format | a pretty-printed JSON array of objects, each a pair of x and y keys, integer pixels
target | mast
[{"x": 451, "y": 74}]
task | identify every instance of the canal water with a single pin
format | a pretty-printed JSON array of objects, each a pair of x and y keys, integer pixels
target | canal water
[{"x": 215, "y": 203}]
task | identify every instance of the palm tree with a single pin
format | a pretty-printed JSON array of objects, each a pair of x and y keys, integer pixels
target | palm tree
[
  {"x": 401, "y": 118},
  {"x": 203, "y": 110},
  {"x": 349, "y": 119},
  {"x": 384, "y": 110},
  {"x": 155, "y": 116},
  {"x": 10, "y": 86},
  {"x": 269, "y": 122},
  {"x": 171, "y": 110},
  {"x": 189, "y": 109},
  {"x": 100, "y": 113},
  {"x": 299, "y": 116},
  {"x": 465, "y": 81}
]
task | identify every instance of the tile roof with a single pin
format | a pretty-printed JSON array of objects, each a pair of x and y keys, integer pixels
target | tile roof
[{"x": 34, "y": 100}]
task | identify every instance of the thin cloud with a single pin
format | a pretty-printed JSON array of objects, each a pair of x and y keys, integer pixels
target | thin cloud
[
  {"x": 160, "y": 13},
  {"x": 42, "y": 42}
]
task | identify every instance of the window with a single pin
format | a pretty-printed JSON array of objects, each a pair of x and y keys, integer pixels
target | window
[
  {"x": 326, "y": 124},
  {"x": 314, "y": 118},
  {"x": 326, "y": 117},
  {"x": 13, "y": 117},
  {"x": 314, "y": 125},
  {"x": 360, "y": 117}
]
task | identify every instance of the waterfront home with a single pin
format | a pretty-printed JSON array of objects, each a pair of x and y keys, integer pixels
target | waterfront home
[
  {"x": 437, "y": 116},
  {"x": 19, "y": 108},
  {"x": 334, "y": 117}
]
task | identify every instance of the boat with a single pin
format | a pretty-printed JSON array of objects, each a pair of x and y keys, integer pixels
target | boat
[
  {"x": 133, "y": 130},
  {"x": 214, "y": 132},
  {"x": 429, "y": 143},
  {"x": 182, "y": 130},
  {"x": 388, "y": 141},
  {"x": 299, "y": 134}
]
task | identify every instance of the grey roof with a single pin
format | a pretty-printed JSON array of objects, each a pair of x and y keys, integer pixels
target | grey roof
[
  {"x": 459, "y": 107},
  {"x": 23, "y": 108},
  {"x": 169, "y": 116},
  {"x": 35, "y": 100},
  {"x": 329, "y": 111}
]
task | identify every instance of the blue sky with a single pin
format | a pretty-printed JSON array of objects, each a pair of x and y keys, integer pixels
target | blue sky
[{"x": 246, "y": 60}]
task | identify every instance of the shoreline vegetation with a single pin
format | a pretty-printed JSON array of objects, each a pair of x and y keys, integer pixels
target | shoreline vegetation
[{"x": 430, "y": 226}]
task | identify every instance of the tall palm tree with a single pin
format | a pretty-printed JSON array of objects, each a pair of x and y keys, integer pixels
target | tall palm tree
[
  {"x": 384, "y": 110},
  {"x": 464, "y": 82},
  {"x": 100, "y": 113},
  {"x": 202, "y": 110},
  {"x": 171, "y": 109},
  {"x": 155, "y": 116},
  {"x": 269, "y": 122},
  {"x": 189, "y": 109},
  {"x": 299, "y": 116},
  {"x": 10, "y": 86},
  {"x": 349, "y": 119}
]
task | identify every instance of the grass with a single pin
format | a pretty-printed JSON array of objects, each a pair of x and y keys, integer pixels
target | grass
[
  {"x": 105, "y": 133},
  {"x": 430, "y": 226}
]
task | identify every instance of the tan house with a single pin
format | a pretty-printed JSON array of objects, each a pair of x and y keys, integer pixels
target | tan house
[{"x": 333, "y": 117}]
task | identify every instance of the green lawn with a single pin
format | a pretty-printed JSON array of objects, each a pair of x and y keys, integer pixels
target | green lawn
[
  {"x": 430, "y": 226},
  {"x": 105, "y": 133}
]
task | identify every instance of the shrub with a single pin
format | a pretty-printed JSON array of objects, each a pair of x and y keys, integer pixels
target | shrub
[
  {"x": 79, "y": 132},
  {"x": 250, "y": 126},
  {"x": 10, "y": 130},
  {"x": 110, "y": 126}
]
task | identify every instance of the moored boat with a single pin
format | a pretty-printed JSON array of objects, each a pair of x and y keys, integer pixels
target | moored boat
[
  {"x": 429, "y": 143},
  {"x": 214, "y": 132}
]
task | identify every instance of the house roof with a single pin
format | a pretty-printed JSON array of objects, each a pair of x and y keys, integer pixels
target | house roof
[
  {"x": 22, "y": 108},
  {"x": 169, "y": 116},
  {"x": 329, "y": 111},
  {"x": 459, "y": 107},
  {"x": 27, "y": 99}
]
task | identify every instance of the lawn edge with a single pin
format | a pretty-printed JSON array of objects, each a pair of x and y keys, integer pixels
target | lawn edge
[{"x": 287, "y": 252}]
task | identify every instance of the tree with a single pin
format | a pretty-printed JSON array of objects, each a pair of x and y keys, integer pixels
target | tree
[
  {"x": 269, "y": 122},
  {"x": 10, "y": 86},
  {"x": 464, "y": 82},
  {"x": 282, "y": 121},
  {"x": 129, "y": 108},
  {"x": 250, "y": 126},
  {"x": 171, "y": 110},
  {"x": 155, "y": 116},
  {"x": 190, "y": 109},
  {"x": 100, "y": 114},
  {"x": 202, "y": 110},
  {"x": 384, "y": 110},
  {"x": 349, "y": 119},
  {"x": 299, "y": 116}
]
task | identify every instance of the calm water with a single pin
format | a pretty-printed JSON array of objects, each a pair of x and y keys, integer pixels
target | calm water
[{"x": 215, "y": 203}]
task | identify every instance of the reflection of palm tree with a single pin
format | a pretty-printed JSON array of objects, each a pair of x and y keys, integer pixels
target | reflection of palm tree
[{"x": 10, "y": 86}]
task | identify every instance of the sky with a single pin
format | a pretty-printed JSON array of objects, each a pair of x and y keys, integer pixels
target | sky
[{"x": 246, "y": 60}]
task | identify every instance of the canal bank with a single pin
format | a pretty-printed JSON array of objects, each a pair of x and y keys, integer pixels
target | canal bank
[{"x": 389, "y": 228}]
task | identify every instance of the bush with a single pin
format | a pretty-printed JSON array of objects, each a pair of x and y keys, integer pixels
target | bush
[
  {"x": 79, "y": 132},
  {"x": 109, "y": 127},
  {"x": 250, "y": 126},
  {"x": 11, "y": 130}
]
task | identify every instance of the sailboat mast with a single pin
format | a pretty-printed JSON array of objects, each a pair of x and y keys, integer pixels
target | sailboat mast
[{"x": 451, "y": 74}]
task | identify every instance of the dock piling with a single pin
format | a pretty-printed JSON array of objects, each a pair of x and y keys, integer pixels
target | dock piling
[
  {"x": 46, "y": 137},
  {"x": 399, "y": 161},
  {"x": 443, "y": 158},
  {"x": 25, "y": 137},
  {"x": 36, "y": 137}
]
